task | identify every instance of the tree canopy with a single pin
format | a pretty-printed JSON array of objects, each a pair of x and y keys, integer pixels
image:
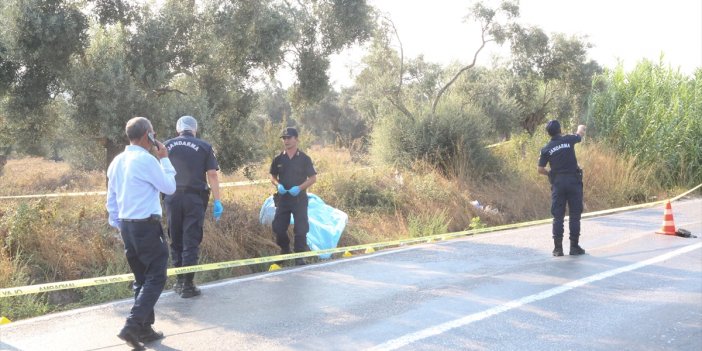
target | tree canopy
[{"x": 109, "y": 60}]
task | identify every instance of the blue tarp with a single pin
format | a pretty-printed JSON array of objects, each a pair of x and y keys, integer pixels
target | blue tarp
[{"x": 326, "y": 222}]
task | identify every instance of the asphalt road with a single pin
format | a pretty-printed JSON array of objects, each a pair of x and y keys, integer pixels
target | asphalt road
[{"x": 634, "y": 290}]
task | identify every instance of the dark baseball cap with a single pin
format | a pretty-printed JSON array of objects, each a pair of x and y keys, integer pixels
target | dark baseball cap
[
  {"x": 289, "y": 132},
  {"x": 553, "y": 127}
]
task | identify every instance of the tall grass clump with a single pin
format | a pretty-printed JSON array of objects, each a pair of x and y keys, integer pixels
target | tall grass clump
[
  {"x": 451, "y": 141},
  {"x": 652, "y": 114},
  {"x": 16, "y": 272},
  {"x": 428, "y": 224}
]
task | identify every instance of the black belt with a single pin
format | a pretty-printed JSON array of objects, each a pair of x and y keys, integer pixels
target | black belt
[
  {"x": 152, "y": 218},
  {"x": 189, "y": 191},
  {"x": 578, "y": 172}
]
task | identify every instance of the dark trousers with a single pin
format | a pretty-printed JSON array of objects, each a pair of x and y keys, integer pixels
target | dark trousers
[
  {"x": 566, "y": 189},
  {"x": 297, "y": 206},
  {"x": 147, "y": 255},
  {"x": 185, "y": 212}
]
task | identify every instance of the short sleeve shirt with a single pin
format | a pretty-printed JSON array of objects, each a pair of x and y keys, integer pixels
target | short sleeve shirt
[
  {"x": 560, "y": 153},
  {"x": 292, "y": 171},
  {"x": 192, "y": 158}
]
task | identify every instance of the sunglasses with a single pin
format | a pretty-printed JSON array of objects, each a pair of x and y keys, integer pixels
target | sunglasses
[{"x": 286, "y": 137}]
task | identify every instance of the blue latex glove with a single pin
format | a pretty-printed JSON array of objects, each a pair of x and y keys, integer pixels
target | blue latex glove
[
  {"x": 294, "y": 190},
  {"x": 281, "y": 189},
  {"x": 217, "y": 210}
]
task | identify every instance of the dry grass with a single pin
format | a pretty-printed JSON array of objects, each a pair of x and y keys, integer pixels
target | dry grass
[
  {"x": 610, "y": 180},
  {"x": 35, "y": 175},
  {"x": 44, "y": 240}
]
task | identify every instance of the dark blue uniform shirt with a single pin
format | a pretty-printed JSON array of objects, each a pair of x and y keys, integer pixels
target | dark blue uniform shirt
[
  {"x": 292, "y": 171},
  {"x": 560, "y": 152},
  {"x": 192, "y": 158}
]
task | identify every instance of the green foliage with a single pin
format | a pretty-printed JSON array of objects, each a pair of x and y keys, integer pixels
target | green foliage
[
  {"x": 22, "y": 226},
  {"x": 452, "y": 141},
  {"x": 428, "y": 224},
  {"x": 552, "y": 76},
  {"x": 476, "y": 223},
  {"x": 376, "y": 84},
  {"x": 487, "y": 90},
  {"x": 273, "y": 105},
  {"x": 103, "y": 91},
  {"x": 184, "y": 57},
  {"x": 37, "y": 39},
  {"x": 115, "y": 11},
  {"x": 652, "y": 114},
  {"x": 334, "y": 120},
  {"x": 359, "y": 192},
  {"x": 321, "y": 29},
  {"x": 313, "y": 82},
  {"x": 25, "y": 306}
]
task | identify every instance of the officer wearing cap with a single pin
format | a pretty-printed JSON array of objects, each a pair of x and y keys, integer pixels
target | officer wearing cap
[
  {"x": 292, "y": 173},
  {"x": 194, "y": 160},
  {"x": 566, "y": 184}
]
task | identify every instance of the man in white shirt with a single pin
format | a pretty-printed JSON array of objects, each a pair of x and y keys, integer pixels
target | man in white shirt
[{"x": 135, "y": 179}]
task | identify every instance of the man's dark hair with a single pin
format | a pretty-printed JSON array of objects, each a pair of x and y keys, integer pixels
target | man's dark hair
[
  {"x": 137, "y": 127},
  {"x": 553, "y": 127}
]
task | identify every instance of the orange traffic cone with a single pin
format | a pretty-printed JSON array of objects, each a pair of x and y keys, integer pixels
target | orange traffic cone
[{"x": 668, "y": 227}]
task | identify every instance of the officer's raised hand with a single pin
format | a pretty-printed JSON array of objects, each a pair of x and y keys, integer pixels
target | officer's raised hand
[
  {"x": 294, "y": 191},
  {"x": 281, "y": 189},
  {"x": 217, "y": 210}
]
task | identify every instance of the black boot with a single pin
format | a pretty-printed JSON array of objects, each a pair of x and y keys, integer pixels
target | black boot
[
  {"x": 148, "y": 334},
  {"x": 575, "y": 249},
  {"x": 178, "y": 286},
  {"x": 283, "y": 251},
  {"x": 189, "y": 288},
  {"x": 558, "y": 247},
  {"x": 130, "y": 335}
]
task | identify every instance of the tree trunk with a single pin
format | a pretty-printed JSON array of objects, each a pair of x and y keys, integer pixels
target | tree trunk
[{"x": 112, "y": 149}]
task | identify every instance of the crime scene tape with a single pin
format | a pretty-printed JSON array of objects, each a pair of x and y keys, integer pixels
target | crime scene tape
[
  {"x": 96, "y": 193},
  {"x": 80, "y": 283}
]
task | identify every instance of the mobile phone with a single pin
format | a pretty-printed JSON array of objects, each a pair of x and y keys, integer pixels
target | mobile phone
[{"x": 152, "y": 140}]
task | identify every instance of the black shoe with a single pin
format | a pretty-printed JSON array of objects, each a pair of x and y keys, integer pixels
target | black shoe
[
  {"x": 558, "y": 252},
  {"x": 148, "y": 334},
  {"x": 576, "y": 250},
  {"x": 189, "y": 290},
  {"x": 131, "y": 337},
  {"x": 300, "y": 261}
]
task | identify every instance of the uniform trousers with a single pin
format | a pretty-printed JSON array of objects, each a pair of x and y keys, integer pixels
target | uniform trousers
[
  {"x": 566, "y": 189},
  {"x": 297, "y": 207},
  {"x": 185, "y": 212}
]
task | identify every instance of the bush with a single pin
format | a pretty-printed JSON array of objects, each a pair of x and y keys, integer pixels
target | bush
[
  {"x": 361, "y": 191},
  {"x": 451, "y": 141}
]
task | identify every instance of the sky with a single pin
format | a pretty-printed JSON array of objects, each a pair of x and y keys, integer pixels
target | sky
[{"x": 625, "y": 31}]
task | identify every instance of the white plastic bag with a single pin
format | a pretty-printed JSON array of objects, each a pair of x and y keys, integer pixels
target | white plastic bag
[{"x": 326, "y": 223}]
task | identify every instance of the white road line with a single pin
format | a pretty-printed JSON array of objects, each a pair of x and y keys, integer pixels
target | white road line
[{"x": 407, "y": 339}]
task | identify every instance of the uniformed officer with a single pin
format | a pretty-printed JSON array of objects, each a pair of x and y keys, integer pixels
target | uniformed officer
[
  {"x": 134, "y": 179},
  {"x": 292, "y": 173},
  {"x": 566, "y": 184},
  {"x": 193, "y": 159}
]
